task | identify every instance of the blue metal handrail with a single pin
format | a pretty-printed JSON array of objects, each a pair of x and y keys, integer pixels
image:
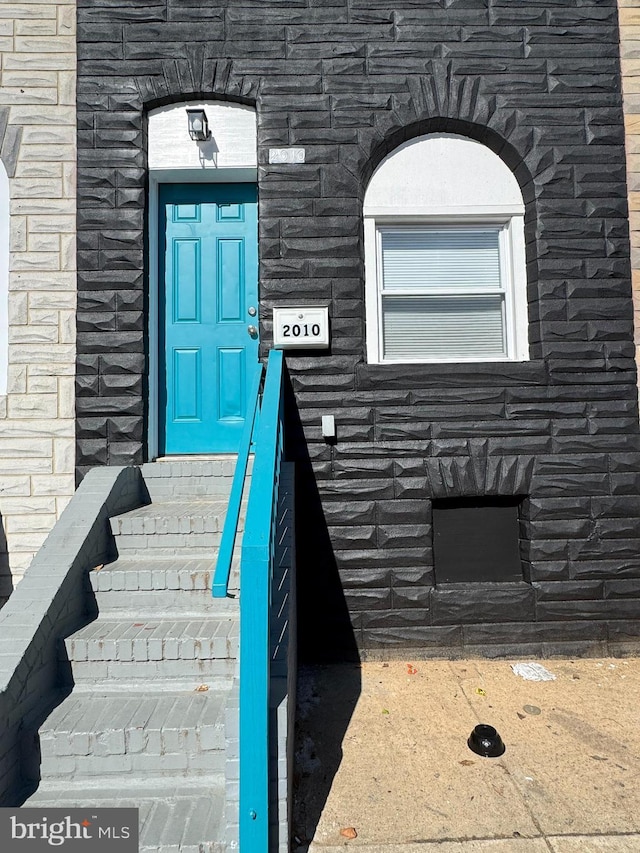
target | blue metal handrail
[
  {"x": 256, "y": 571},
  {"x": 227, "y": 542}
]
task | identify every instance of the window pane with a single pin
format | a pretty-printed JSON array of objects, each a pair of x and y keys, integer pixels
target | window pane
[
  {"x": 443, "y": 327},
  {"x": 426, "y": 259}
]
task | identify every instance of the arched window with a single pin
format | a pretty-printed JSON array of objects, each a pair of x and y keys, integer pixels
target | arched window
[
  {"x": 445, "y": 258},
  {"x": 4, "y": 277}
]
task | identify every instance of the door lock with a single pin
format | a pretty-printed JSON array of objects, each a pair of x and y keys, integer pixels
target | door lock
[
  {"x": 252, "y": 311},
  {"x": 253, "y": 331}
]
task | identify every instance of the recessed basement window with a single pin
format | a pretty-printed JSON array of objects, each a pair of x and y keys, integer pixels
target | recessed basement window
[{"x": 477, "y": 539}]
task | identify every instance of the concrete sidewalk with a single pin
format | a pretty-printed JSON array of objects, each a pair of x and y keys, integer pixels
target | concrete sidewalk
[{"x": 382, "y": 748}]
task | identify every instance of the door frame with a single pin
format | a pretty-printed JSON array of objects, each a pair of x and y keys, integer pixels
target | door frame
[{"x": 156, "y": 178}]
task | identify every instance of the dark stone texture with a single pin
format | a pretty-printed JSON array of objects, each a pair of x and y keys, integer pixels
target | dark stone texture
[
  {"x": 517, "y": 633},
  {"x": 457, "y": 604},
  {"x": 440, "y": 640},
  {"x": 350, "y": 80},
  {"x": 624, "y": 608},
  {"x": 575, "y": 590}
]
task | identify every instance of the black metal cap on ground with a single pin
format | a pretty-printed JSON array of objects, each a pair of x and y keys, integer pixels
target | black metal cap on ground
[{"x": 484, "y": 740}]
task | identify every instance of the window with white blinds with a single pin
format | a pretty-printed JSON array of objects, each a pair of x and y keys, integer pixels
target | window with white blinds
[
  {"x": 442, "y": 294},
  {"x": 445, "y": 259}
]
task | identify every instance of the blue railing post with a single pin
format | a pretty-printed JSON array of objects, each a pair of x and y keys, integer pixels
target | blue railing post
[{"x": 258, "y": 550}]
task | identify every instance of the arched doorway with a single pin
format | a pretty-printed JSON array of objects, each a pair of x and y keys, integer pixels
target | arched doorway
[{"x": 203, "y": 298}]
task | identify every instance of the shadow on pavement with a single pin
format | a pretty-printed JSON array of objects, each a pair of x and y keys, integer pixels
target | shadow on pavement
[
  {"x": 329, "y": 679},
  {"x": 327, "y": 696}
]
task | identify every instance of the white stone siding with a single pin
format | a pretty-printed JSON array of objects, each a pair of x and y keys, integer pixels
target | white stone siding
[
  {"x": 37, "y": 101},
  {"x": 629, "y": 18}
]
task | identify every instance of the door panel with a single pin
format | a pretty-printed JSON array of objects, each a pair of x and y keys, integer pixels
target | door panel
[
  {"x": 209, "y": 280},
  {"x": 231, "y": 381},
  {"x": 187, "y": 290},
  {"x": 187, "y": 382},
  {"x": 230, "y": 280}
]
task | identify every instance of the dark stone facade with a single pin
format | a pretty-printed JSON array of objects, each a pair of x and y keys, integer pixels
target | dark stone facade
[{"x": 539, "y": 83}]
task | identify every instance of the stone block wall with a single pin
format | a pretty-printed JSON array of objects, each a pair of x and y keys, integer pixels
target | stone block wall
[
  {"x": 37, "y": 139},
  {"x": 349, "y": 80}
]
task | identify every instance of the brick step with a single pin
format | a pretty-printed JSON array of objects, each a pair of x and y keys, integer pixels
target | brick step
[
  {"x": 205, "y": 549},
  {"x": 185, "y": 826},
  {"x": 185, "y": 546},
  {"x": 159, "y": 733},
  {"x": 167, "y": 479},
  {"x": 153, "y": 648},
  {"x": 166, "y": 604},
  {"x": 129, "y": 788},
  {"x": 194, "y": 545},
  {"x": 175, "y": 816},
  {"x": 122, "y": 685},
  {"x": 172, "y": 586},
  {"x": 173, "y": 517},
  {"x": 148, "y": 546},
  {"x": 135, "y": 672}
]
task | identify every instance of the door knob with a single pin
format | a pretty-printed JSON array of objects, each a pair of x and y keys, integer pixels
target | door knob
[{"x": 253, "y": 331}]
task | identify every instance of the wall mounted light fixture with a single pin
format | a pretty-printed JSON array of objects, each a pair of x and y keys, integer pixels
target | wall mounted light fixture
[{"x": 198, "y": 125}]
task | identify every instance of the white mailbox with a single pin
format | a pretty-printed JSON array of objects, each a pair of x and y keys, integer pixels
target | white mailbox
[{"x": 301, "y": 328}]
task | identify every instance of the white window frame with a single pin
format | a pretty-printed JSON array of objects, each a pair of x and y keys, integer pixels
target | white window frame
[
  {"x": 447, "y": 180},
  {"x": 512, "y": 274}
]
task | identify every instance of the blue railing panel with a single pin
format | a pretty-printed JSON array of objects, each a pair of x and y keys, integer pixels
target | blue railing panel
[
  {"x": 258, "y": 550},
  {"x": 229, "y": 532}
]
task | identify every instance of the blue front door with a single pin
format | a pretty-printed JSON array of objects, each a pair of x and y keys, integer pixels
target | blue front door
[{"x": 209, "y": 301}]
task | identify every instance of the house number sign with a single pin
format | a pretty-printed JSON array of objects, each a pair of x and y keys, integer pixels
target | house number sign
[
  {"x": 301, "y": 328},
  {"x": 290, "y": 156}
]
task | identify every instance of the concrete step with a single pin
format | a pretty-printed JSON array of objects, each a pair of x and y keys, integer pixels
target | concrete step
[
  {"x": 153, "y": 648},
  {"x": 170, "y": 585},
  {"x": 152, "y": 732},
  {"x": 179, "y": 815}
]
